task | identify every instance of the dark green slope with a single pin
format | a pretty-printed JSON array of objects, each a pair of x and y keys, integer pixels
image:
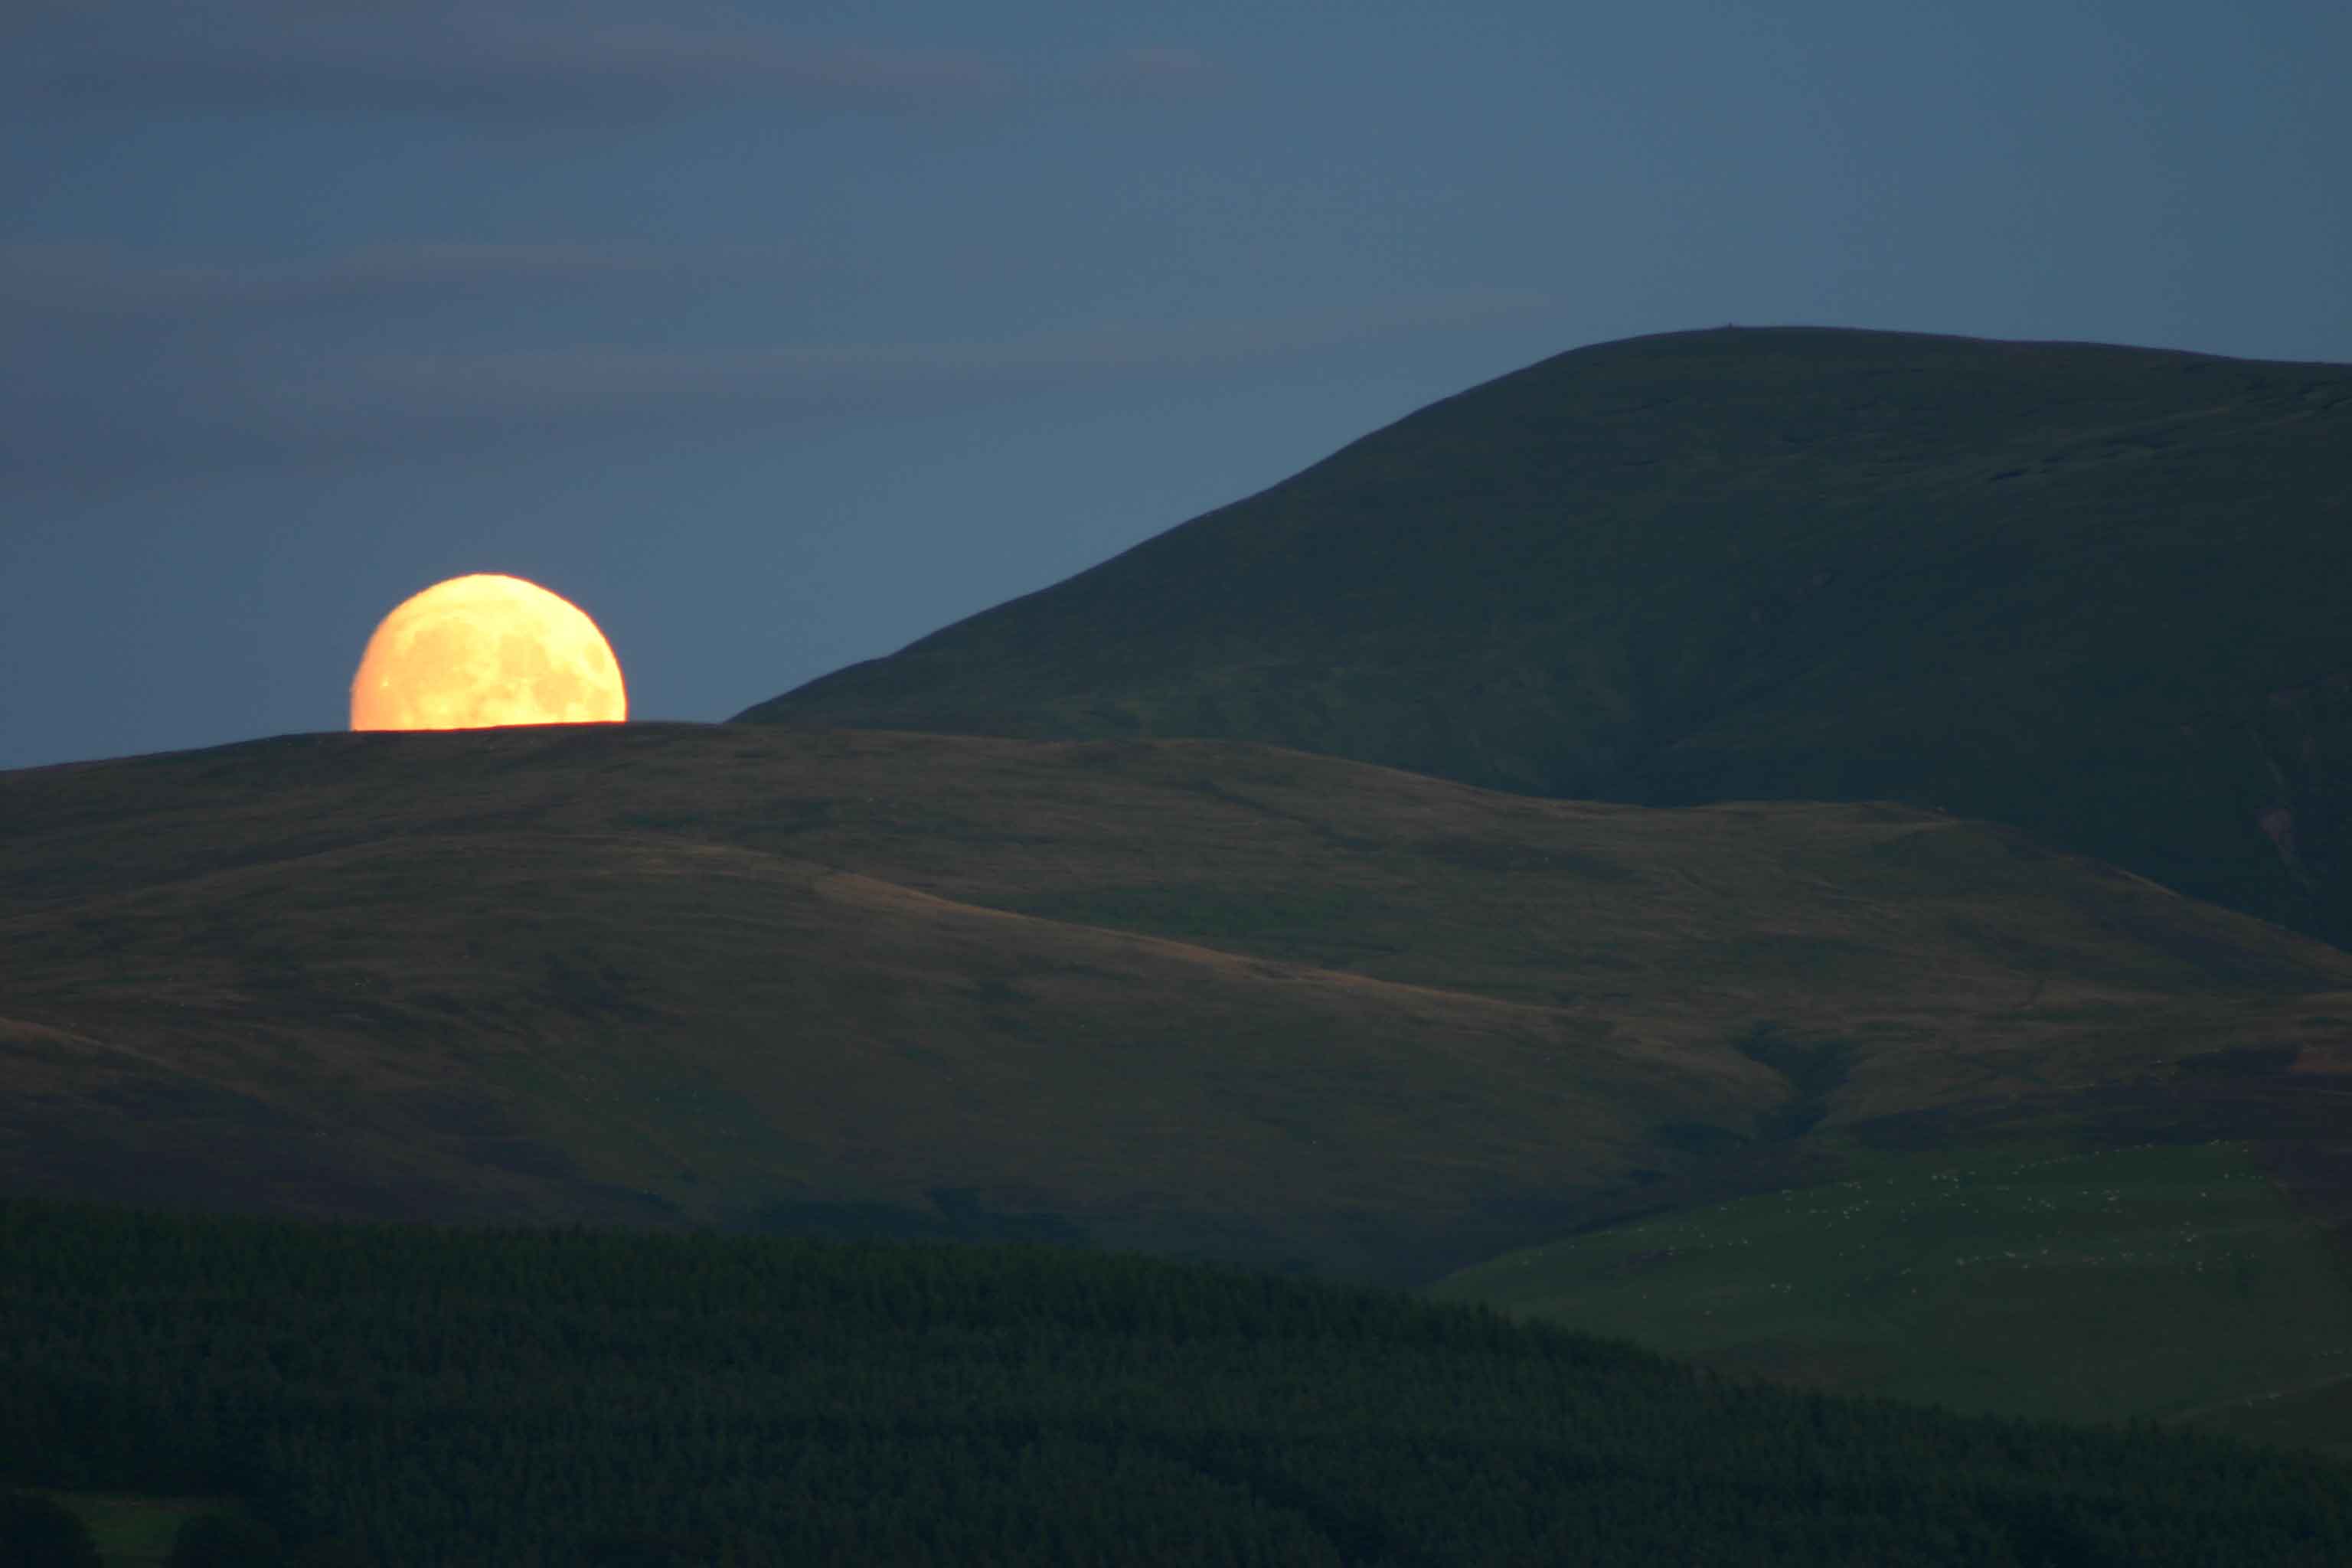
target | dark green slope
[
  {"x": 576, "y": 1399},
  {"x": 2094, "y": 592}
]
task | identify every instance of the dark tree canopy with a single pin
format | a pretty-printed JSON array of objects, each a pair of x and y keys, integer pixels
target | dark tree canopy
[
  {"x": 552, "y": 1399},
  {"x": 37, "y": 1531},
  {"x": 225, "y": 1540}
]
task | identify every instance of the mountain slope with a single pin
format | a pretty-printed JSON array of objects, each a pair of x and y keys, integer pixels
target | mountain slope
[
  {"x": 2092, "y": 591},
  {"x": 1195, "y": 997}
]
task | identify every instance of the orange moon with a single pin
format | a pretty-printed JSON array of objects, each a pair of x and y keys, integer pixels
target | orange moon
[{"x": 482, "y": 650}]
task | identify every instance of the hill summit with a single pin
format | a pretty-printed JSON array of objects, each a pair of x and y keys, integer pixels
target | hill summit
[{"x": 2092, "y": 591}]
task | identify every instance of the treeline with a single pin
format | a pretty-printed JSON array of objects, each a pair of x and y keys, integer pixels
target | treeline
[{"x": 422, "y": 1396}]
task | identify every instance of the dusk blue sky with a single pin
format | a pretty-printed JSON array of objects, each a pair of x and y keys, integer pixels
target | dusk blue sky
[{"x": 778, "y": 338}]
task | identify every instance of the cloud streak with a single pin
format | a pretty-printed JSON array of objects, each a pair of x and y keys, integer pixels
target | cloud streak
[
  {"x": 83, "y": 279},
  {"x": 161, "y": 371},
  {"x": 594, "y": 381},
  {"x": 483, "y": 65}
]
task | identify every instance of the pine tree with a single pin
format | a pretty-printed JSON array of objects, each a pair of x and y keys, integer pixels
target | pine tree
[
  {"x": 37, "y": 1531},
  {"x": 224, "y": 1541}
]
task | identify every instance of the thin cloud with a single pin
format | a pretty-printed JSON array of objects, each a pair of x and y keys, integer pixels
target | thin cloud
[
  {"x": 96, "y": 278},
  {"x": 109, "y": 410},
  {"x": 536, "y": 387},
  {"x": 1154, "y": 70},
  {"x": 477, "y": 65}
]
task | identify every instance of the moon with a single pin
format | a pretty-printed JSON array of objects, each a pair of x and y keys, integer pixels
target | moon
[{"x": 475, "y": 651}]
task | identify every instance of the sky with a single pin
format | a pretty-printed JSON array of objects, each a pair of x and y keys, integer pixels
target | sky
[{"x": 776, "y": 338}]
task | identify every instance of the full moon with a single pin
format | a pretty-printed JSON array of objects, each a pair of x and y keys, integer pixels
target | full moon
[{"x": 482, "y": 650}]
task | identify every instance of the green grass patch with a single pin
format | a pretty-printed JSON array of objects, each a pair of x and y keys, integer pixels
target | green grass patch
[
  {"x": 136, "y": 1532},
  {"x": 2172, "y": 1283}
]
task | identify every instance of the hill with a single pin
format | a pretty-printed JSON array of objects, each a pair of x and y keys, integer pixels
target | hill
[
  {"x": 1201, "y": 998},
  {"x": 2167, "y": 1282},
  {"x": 538, "y": 1398},
  {"x": 2087, "y": 591}
]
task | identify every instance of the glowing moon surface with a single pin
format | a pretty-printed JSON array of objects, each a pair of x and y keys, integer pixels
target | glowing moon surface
[{"x": 485, "y": 649}]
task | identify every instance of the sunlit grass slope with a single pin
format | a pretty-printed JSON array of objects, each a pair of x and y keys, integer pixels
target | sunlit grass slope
[
  {"x": 2094, "y": 592},
  {"x": 720, "y": 968},
  {"x": 2173, "y": 1283},
  {"x": 1194, "y": 998}
]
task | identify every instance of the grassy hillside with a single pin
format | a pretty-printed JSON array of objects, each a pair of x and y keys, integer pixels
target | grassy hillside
[
  {"x": 132, "y": 1529},
  {"x": 1201, "y": 998},
  {"x": 2092, "y": 591},
  {"x": 2174, "y": 1283},
  {"x": 577, "y": 1398}
]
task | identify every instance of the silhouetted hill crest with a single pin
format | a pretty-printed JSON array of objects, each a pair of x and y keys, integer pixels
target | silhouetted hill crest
[{"x": 2085, "y": 589}]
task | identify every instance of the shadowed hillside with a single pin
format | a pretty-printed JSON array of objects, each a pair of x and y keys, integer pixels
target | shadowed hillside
[
  {"x": 2092, "y": 591},
  {"x": 407, "y": 1395},
  {"x": 1196, "y": 997}
]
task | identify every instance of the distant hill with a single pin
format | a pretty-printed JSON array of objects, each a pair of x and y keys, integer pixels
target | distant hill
[
  {"x": 1194, "y": 998},
  {"x": 2096, "y": 593}
]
